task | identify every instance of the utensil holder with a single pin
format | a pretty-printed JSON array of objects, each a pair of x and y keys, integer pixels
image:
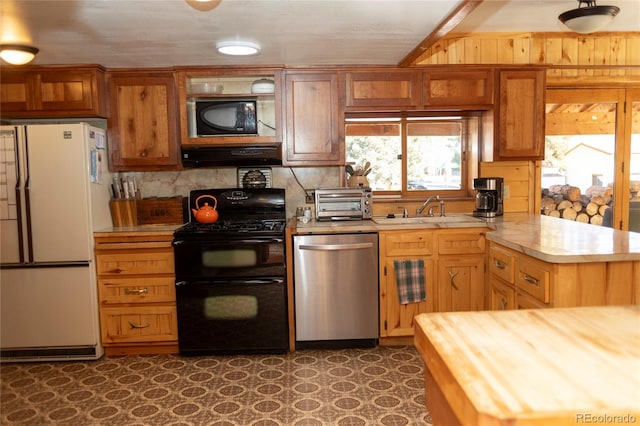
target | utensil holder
[
  {"x": 123, "y": 213},
  {"x": 358, "y": 182}
]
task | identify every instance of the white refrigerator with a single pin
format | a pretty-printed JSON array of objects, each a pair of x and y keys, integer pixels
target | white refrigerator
[{"x": 54, "y": 192}]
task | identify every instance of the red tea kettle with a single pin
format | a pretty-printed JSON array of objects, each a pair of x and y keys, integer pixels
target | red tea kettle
[{"x": 206, "y": 213}]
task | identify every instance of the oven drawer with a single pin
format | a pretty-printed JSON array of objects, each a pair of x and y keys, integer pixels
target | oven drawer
[
  {"x": 137, "y": 290},
  {"x": 139, "y": 324}
]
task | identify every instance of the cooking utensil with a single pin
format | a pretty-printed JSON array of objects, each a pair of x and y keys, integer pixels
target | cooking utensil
[
  {"x": 366, "y": 165},
  {"x": 349, "y": 169}
]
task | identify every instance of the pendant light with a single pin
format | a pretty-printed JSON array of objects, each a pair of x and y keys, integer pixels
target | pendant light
[
  {"x": 16, "y": 54},
  {"x": 588, "y": 17}
]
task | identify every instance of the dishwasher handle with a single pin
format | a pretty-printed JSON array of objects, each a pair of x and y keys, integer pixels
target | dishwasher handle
[{"x": 334, "y": 247}]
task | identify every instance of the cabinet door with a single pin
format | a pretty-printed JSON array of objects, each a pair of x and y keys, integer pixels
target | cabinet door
[
  {"x": 52, "y": 92},
  {"x": 142, "y": 130},
  {"x": 501, "y": 295},
  {"x": 383, "y": 89},
  {"x": 313, "y": 120},
  {"x": 16, "y": 92},
  {"x": 462, "y": 88},
  {"x": 64, "y": 91},
  {"x": 461, "y": 283},
  {"x": 520, "y": 116},
  {"x": 397, "y": 319}
]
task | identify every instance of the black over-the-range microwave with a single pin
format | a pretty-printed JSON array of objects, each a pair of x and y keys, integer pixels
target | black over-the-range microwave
[{"x": 224, "y": 117}]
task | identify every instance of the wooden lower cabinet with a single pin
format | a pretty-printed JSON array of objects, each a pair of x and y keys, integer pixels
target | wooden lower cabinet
[
  {"x": 136, "y": 287},
  {"x": 519, "y": 281},
  {"x": 501, "y": 296},
  {"x": 461, "y": 283},
  {"x": 397, "y": 320},
  {"x": 454, "y": 274}
]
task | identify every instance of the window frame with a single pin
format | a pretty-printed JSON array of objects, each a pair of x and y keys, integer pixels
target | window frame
[{"x": 469, "y": 159}]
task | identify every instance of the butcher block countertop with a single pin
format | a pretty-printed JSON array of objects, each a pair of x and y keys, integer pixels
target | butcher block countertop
[
  {"x": 562, "y": 366},
  {"x": 546, "y": 238}
]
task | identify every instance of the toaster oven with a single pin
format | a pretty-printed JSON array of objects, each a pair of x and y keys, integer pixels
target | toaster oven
[{"x": 343, "y": 203}]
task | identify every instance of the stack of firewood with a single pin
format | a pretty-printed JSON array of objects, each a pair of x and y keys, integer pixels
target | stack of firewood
[{"x": 569, "y": 203}]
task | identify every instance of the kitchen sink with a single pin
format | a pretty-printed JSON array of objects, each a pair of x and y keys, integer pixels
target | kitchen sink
[{"x": 427, "y": 220}]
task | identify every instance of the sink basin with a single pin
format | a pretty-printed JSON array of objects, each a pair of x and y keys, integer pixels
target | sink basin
[{"x": 425, "y": 220}]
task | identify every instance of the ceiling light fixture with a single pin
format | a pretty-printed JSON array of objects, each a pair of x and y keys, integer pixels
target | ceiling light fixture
[
  {"x": 16, "y": 54},
  {"x": 238, "y": 48},
  {"x": 588, "y": 17}
]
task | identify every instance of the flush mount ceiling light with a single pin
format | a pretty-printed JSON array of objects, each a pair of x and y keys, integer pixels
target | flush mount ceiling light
[
  {"x": 16, "y": 54},
  {"x": 238, "y": 48},
  {"x": 588, "y": 17}
]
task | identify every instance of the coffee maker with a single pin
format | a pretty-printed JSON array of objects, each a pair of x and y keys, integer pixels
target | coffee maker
[{"x": 489, "y": 192}]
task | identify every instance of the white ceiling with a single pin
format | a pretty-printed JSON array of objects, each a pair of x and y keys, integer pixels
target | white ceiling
[{"x": 161, "y": 33}]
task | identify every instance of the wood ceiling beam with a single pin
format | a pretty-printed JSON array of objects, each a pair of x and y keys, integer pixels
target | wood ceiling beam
[{"x": 449, "y": 23}]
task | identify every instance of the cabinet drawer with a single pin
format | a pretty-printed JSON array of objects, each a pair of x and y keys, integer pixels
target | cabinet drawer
[
  {"x": 408, "y": 243},
  {"x": 502, "y": 264},
  {"x": 132, "y": 263},
  {"x": 466, "y": 243},
  {"x": 524, "y": 301},
  {"x": 137, "y": 290},
  {"x": 534, "y": 278},
  {"x": 138, "y": 324}
]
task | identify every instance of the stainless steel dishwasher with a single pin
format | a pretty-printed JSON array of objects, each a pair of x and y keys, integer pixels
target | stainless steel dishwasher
[{"x": 336, "y": 290}]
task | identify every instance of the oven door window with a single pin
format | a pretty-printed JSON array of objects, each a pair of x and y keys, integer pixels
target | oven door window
[
  {"x": 199, "y": 259},
  {"x": 341, "y": 205}
]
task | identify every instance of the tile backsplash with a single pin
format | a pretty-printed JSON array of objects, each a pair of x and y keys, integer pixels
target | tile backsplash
[{"x": 167, "y": 184}]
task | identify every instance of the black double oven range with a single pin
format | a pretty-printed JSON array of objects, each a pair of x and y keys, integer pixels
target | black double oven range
[{"x": 231, "y": 292}]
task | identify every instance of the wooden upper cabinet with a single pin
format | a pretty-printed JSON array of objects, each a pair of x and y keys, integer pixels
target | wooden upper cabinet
[
  {"x": 143, "y": 131},
  {"x": 383, "y": 89},
  {"x": 313, "y": 120},
  {"x": 53, "y": 92},
  {"x": 459, "y": 88},
  {"x": 519, "y": 115}
]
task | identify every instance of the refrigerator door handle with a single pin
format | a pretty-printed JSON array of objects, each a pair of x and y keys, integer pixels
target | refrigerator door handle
[{"x": 27, "y": 206}]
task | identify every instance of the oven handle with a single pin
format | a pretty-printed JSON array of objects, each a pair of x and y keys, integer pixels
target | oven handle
[
  {"x": 250, "y": 241},
  {"x": 253, "y": 281}
]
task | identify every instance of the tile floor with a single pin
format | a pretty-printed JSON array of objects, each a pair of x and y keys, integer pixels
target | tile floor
[{"x": 378, "y": 386}]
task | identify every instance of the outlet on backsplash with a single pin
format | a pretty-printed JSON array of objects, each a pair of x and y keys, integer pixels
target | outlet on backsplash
[{"x": 310, "y": 196}]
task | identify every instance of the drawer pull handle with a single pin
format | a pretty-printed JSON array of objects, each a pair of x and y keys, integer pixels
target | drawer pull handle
[
  {"x": 452, "y": 276},
  {"x": 140, "y": 291},
  {"x": 503, "y": 303},
  {"x": 530, "y": 279},
  {"x": 132, "y": 325},
  {"x": 499, "y": 264}
]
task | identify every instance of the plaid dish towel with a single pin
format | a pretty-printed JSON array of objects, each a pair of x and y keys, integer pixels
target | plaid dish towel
[{"x": 410, "y": 280}]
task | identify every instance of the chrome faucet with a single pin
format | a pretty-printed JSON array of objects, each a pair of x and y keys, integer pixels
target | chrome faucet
[
  {"x": 405, "y": 213},
  {"x": 426, "y": 203}
]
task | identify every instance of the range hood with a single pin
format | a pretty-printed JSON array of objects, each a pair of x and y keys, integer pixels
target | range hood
[{"x": 231, "y": 156}]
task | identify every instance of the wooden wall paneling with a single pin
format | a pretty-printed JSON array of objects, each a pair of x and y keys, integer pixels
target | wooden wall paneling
[
  {"x": 633, "y": 55},
  {"x": 519, "y": 177},
  {"x": 618, "y": 55},
  {"x": 553, "y": 54},
  {"x": 472, "y": 51},
  {"x": 504, "y": 52},
  {"x": 522, "y": 51},
  {"x": 569, "y": 57},
  {"x": 489, "y": 51}
]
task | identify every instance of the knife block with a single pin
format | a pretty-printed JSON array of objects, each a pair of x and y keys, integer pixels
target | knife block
[{"x": 123, "y": 213}]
